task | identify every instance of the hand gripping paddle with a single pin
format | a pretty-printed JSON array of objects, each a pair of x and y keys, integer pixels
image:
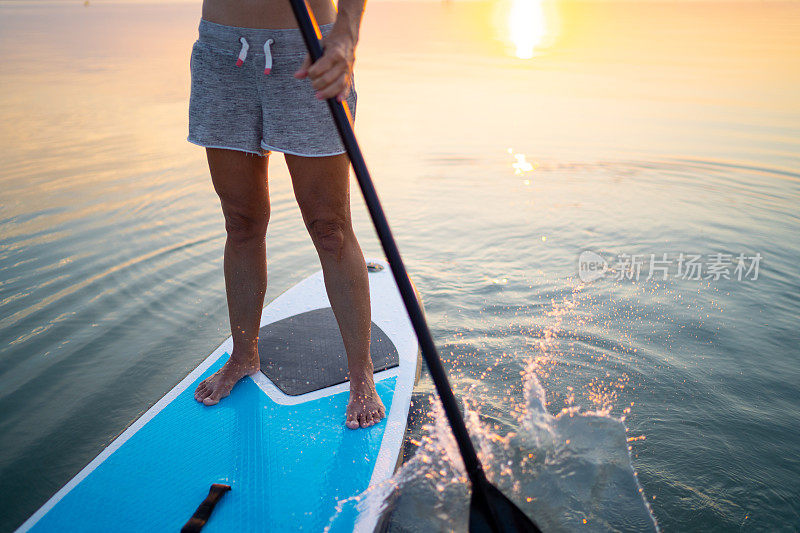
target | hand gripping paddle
[{"x": 490, "y": 510}]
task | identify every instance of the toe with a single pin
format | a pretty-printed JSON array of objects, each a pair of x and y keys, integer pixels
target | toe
[
  {"x": 200, "y": 392},
  {"x": 366, "y": 420},
  {"x": 215, "y": 396},
  {"x": 351, "y": 422}
]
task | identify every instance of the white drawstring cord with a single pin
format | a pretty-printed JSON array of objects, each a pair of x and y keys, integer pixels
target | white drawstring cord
[
  {"x": 267, "y": 56},
  {"x": 242, "y": 52}
]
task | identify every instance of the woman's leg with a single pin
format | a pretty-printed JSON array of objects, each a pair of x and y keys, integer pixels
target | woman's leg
[
  {"x": 321, "y": 186},
  {"x": 240, "y": 180}
]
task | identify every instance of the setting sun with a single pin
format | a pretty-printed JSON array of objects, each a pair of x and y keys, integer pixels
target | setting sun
[{"x": 527, "y": 26}]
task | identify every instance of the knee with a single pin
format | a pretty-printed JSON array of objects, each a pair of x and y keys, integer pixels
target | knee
[
  {"x": 246, "y": 226},
  {"x": 328, "y": 234}
]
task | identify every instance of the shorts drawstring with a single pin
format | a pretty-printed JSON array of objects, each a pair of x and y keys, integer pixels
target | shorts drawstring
[
  {"x": 267, "y": 56},
  {"x": 242, "y": 52}
]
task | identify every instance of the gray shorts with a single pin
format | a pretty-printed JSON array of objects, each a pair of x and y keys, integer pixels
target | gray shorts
[{"x": 238, "y": 102}]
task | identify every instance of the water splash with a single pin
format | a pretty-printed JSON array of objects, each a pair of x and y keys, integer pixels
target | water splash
[{"x": 568, "y": 470}]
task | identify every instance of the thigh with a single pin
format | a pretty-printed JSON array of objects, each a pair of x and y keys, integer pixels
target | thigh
[
  {"x": 240, "y": 180},
  {"x": 224, "y": 106},
  {"x": 321, "y": 186}
]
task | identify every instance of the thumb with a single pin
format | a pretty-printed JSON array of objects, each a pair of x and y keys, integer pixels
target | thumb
[{"x": 303, "y": 71}]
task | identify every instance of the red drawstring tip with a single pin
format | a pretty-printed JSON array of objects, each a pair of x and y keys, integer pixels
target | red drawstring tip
[
  {"x": 267, "y": 70},
  {"x": 239, "y": 62}
]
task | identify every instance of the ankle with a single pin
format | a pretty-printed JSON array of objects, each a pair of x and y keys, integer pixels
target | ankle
[
  {"x": 248, "y": 360},
  {"x": 361, "y": 381}
]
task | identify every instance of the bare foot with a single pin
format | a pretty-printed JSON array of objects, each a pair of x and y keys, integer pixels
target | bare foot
[
  {"x": 218, "y": 386},
  {"x": 365, "y": 407}
]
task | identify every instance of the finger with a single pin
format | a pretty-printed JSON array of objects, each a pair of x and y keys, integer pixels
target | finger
[
  {"x": 321, "y": 66},
  {"x": 331, "y": 90},
  {"x": 328, "y": 77},
  {"x": 332, "y": 75},
  {"x": 302, "y": 72},
  {"x": 342, "y": 96}
]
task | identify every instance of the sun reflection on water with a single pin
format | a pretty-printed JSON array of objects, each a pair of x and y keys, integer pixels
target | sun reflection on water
[{"x": 521, "y": 165}]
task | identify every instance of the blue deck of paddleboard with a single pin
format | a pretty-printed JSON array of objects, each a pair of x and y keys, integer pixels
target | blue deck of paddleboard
[{"x": 288, "y": 466}]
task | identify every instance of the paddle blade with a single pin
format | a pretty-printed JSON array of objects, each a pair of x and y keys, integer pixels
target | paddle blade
[{"x": 491, "y": 512}]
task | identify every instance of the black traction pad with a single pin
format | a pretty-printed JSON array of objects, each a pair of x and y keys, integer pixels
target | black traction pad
[{"x": 305, "y": 352}]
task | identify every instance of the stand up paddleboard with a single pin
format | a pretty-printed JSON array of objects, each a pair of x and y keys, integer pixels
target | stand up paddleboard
[{"x": 279, "y": 440}]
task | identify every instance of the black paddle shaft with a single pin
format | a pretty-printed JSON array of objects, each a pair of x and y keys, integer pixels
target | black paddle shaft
[{"x": 341, "y": 114}]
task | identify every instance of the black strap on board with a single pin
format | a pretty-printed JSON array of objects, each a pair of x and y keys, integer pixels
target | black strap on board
[{"x": 202, "y": 514}]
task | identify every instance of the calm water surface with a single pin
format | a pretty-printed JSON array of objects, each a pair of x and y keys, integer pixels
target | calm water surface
[{"x": 505, "y": 140}]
